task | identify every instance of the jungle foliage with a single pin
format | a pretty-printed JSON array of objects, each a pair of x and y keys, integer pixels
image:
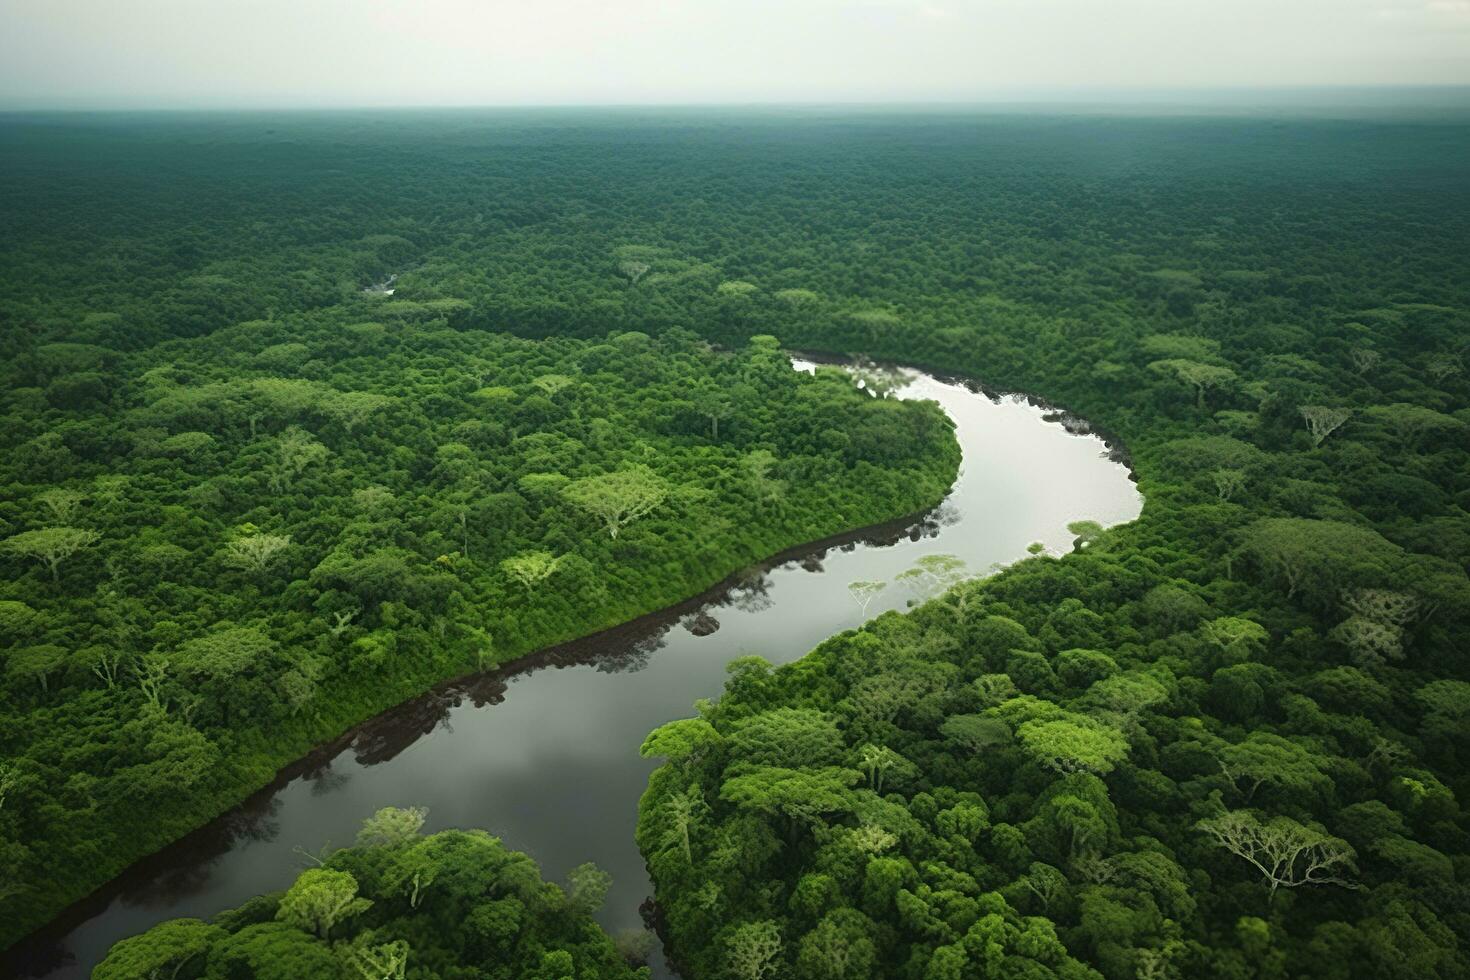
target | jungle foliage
[
  {"x": 1223, "y": 740},
  {"x": 452, "y": 904},
  {"x": 221, "y": 547}
]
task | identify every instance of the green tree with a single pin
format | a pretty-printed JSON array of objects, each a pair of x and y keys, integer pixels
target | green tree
[
  {"x": 619, "y": 498},
  {"x": 531, "y": 568},
  {"x": 163, "y": 951},
  {"x": 1318, "y": 557},
  {"x": 1201, "y": 377},
  {"x": 51, "y": 545},
  {"x": 588, "y": 888},
  {"x": 1084, "y": 533},
  {"x": 1073, "y": 744},
  {"x": 1323, "y": 420},
  {"x": 319, "y": 899},
  {"x": 392, "y": 826},
  {"x": 1289, "y": 767},
  {"x": 753, "y": 951},
  {"x": 253, "y": 552},
  {"x": 1287, "y": 854}
]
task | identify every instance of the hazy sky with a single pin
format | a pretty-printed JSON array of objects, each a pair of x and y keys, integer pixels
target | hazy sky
[{"x": 166, "y": 53}]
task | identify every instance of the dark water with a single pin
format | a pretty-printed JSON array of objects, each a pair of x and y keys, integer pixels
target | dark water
[{"x": 545, "y": 754}]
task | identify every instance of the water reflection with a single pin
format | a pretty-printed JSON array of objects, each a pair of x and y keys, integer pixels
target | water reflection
[{"x": 554, "y": 767}]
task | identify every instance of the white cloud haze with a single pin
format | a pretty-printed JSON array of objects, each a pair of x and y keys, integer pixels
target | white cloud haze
[{"x": 206, "y": 53}]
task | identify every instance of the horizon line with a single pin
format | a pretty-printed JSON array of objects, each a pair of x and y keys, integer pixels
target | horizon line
[{"x": 1215, "y": 96}]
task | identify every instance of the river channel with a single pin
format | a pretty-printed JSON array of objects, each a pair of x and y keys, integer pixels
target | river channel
[{"x": 544, "y": 753}]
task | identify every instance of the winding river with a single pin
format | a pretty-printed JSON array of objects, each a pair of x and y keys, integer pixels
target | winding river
[{"x": 544, "y": 753}]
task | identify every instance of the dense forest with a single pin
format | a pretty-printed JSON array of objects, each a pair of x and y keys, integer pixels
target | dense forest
[
  {"x": 1222, "y": 740},
  {"x": 224, "y": 546},
  {"x": 452, "y": 904}
]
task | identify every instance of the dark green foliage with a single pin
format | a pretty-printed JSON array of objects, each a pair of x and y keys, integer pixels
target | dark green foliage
[
  {"x": 232, "y": 528},
  {"x": 296, "y": 569},
  {"x": 1270, "y": 313},
  {"x": 455, "y": 904}
]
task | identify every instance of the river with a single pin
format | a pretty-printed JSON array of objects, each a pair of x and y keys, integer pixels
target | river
[{"x": 545, "y": 753}]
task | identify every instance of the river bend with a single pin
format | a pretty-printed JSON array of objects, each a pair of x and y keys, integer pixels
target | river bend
[{"x": 545, "y": 753}]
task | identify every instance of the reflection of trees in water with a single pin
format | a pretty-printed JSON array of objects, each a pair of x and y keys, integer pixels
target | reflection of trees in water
[
  {"x": 701, "y": 623},
  {"x": 632, "y": 655},
  {"x": 751, "y": 591},
  {"x": 25, "y": 960},
  {"x": 185, "y": 868},
  {"x": 945, "y": 515},
  {"x": 390, "y": 733},
  {"x": 326, "y": 780},
  {"x": 191, "y": 870},
  {"x": 623, "y": 649}
]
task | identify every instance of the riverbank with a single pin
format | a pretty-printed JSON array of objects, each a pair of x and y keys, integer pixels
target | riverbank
[
  {"x": 553, "y": 766},
  {"x": 254, "y": 763}
]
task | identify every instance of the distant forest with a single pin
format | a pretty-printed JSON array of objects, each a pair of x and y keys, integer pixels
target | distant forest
[{"x": 251, "y": 495}]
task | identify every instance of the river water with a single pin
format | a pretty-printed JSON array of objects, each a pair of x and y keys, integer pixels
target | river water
[{"x": 545, "y": 753}]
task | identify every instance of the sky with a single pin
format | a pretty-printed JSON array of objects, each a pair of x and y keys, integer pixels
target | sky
[{"x": 329, "y": 53}]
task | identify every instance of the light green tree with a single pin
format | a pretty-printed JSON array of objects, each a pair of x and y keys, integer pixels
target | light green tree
[
  {"x": 588, "y": 886},
  {"x": 392, "y": 826},
  {"x": 1286, "y": 853},
  {"x": 296, "y": 452},
  {"x": 1228, "y": 482},
  {"x": 1084, "y": 533},
  {"x": 757, "y": 466},
  {"x": 1235, "y": 636},
  {"x": 839, "y": 948},
  {"x": 802, "y": 796},
  {"x": 685, "y": 811},
  {"x": 1201, "y": 377},
  {"x": 62, "y": 504},
  {"x": 753, "y": 951},
  {"x": 376, "y": 961},
  {"x": 1073, "y": 744},
  {"x": 619, "y": 498},
  {"x": 1323, "y": 420},
  {"x": 253, "y": 552},
  {"x": 683, "y": 742},
  {"x": 351, "y": 409},
  {"x": 531, "y": 568},
  {"x": 876, "y": 760},
  {"x": 320, "y": 899},
  {"x": 9, "y": 779},
  {"x": 552, "y": 384},
  {"x": 51, "y": 545}
]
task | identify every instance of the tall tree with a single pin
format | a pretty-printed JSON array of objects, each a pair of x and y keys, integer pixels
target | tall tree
[
  {"x": 1286, "y": 853},
  {"x": 51, "y": 545},
  {"x": 619, "y": 498},
  {"x": 319, "y": 899}
]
